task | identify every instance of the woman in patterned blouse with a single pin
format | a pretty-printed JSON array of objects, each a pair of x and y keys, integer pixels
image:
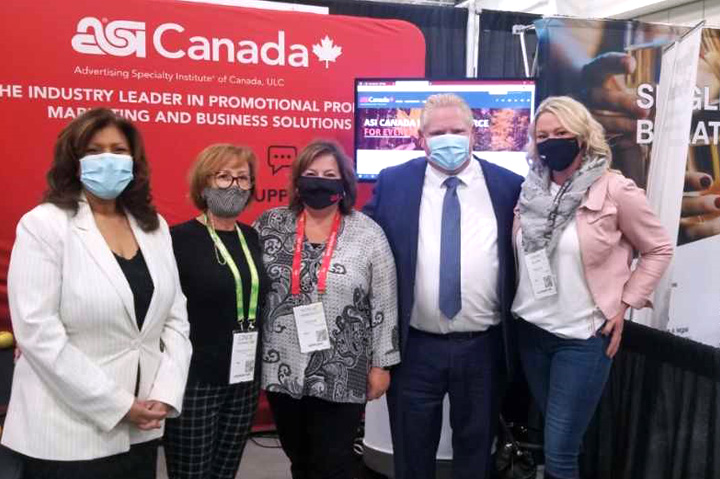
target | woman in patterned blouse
[{"x": 330, "y": 323}]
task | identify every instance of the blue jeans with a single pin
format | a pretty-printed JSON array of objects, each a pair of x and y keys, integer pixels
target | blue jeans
[{"x": 566, "y": 378}]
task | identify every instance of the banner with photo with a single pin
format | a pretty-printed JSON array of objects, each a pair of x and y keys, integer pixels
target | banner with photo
[
  {"x": 188, "y": 75},
  {"x": 613, "y": 67}
]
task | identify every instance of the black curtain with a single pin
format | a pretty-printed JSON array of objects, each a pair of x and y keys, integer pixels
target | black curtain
[
  {"x": 659, "y": 417},
  {"x": 499, "y": 53},
  {"x": 444, "y": 29}
]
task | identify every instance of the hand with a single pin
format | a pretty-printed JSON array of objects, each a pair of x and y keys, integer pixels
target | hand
[
  {"x": 147, "y": 415},
  {"x": 16, "y": 354},
  {"x": 615, "y": 326},
  {"x": 618, "y": 104},
  {"x": 378, "y": 383},
  {"x": 708, "y": 73},
  {"x": 157, "y": 406},
  {"x": 700, "y": 216},
  {"x": 700, "y": 213}
]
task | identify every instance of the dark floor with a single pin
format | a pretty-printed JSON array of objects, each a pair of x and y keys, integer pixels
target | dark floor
[{"x": 263, "y": 459}]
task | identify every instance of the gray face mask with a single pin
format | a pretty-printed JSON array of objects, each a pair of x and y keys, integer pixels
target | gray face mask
[{"x": 226, "y": 203}]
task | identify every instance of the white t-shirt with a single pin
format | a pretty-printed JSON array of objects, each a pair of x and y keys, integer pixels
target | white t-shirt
[{"x": 572, "y": 312}]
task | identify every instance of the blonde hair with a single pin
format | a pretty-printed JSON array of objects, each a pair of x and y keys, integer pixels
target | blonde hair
[
  {"x": 576, "y": 119},
  {"x": 445, "y": 100},
  {"x": 210, "y": 161}
]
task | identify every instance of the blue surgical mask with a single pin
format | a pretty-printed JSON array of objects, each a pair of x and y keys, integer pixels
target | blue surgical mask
[
  {"x": 106, "y": 175},
  {"x": 449, "y": 151}
]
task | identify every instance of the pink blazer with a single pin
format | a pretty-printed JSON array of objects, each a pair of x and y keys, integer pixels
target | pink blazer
[{"x": 613, "y": 220}]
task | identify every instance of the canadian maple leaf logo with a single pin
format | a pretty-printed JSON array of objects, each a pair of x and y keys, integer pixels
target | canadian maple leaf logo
[{"x": 326, "y": 51}]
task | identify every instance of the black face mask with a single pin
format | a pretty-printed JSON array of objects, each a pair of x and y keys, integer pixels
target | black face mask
[
  {"x": 319, "y": 193},
  {"x": 558, "y": 153}
]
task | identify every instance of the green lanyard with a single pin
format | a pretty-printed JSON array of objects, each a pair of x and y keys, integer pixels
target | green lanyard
[{"x": 254, "y": 278}]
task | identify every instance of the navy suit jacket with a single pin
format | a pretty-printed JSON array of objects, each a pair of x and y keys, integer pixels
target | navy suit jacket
[{"x": 395, "y": 206}]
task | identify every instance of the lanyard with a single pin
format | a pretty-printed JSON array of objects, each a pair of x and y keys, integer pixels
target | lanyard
[
  {"x": 254, "y": 279},
  {"x": 327, "y": 256}
]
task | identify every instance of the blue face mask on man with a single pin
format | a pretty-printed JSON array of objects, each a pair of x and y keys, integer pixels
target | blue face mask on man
[
  {"x": 106, "y": 175},
  {"x": 448, "y": 152}
]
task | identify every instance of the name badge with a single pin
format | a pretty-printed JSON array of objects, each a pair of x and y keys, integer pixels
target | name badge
[
  {"x": 541, "y": 276},
  {"x": 311, "y": 327},
  {"x": 242, "y": 362}
]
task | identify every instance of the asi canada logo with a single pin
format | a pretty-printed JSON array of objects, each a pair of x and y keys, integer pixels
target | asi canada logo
[
  {"x": 123, "y": 38},
  {"x": 120, "y": 38}
]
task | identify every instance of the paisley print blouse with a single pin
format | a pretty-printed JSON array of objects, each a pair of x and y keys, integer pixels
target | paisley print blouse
[{"x": 360, "y": 306}]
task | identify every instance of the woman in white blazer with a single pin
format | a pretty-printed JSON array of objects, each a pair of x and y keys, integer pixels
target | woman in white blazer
[{"x": 98, "y": 313}]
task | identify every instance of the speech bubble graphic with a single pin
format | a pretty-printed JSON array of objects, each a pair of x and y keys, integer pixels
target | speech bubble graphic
[{"x": 280, "y": 156}]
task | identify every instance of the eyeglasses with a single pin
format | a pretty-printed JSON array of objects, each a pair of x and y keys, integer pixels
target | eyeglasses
[{"x": 224, "y": 180}]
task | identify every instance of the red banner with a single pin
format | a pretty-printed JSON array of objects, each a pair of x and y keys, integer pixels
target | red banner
[{"x": 188, "y": 75}]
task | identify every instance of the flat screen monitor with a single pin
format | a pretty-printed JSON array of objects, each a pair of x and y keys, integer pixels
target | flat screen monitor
[{"x": 387, "y": 119}]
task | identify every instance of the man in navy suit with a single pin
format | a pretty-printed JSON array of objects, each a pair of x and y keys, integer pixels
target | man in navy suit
[{"x": 448, "y": 218}]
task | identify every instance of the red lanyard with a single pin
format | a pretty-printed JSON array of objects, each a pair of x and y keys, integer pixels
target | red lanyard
[{"x": 327, "y": 256}]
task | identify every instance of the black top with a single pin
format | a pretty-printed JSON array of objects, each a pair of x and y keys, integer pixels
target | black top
[
  {"x": 138, "y": 277},
  {"x": 210, "y": 291}
]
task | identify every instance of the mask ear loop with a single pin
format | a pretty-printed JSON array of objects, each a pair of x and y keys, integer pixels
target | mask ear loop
[
  {"x": 342, "y": 195},
  {"x": 582, "y": 145}
]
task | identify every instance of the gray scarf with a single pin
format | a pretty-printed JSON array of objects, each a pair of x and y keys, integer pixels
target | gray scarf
[{"x": 543, "y": 217}]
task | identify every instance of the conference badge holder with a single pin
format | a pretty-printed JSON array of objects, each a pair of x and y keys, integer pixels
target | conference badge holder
[
  {"x": 541, "y": 276},
  {"x": 312, "y": 327},
  {"x": 244, "y": 352}
]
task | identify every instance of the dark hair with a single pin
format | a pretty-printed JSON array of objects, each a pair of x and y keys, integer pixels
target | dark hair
[
  {"x": 63, "y": 179},
  {"x": 309, "y": 154}
]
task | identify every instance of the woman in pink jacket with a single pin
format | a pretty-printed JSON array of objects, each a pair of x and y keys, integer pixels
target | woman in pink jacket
[{"x": 577, "y": 226}]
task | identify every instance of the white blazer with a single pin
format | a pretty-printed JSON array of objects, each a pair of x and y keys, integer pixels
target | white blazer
[{"x": 73, "y": 315}]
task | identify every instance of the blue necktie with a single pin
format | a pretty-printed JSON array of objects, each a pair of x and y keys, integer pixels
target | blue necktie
[{"x": 450, "y": 299}]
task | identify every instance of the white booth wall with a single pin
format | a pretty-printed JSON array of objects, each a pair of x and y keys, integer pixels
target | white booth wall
[{"x": 688, "y": 14}]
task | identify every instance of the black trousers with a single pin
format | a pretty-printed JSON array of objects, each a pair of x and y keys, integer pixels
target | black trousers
[
  {"x": 466, "y": 367},
  {"x": 140, "y": 462},
  {"x": 316, "y": 435}
]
